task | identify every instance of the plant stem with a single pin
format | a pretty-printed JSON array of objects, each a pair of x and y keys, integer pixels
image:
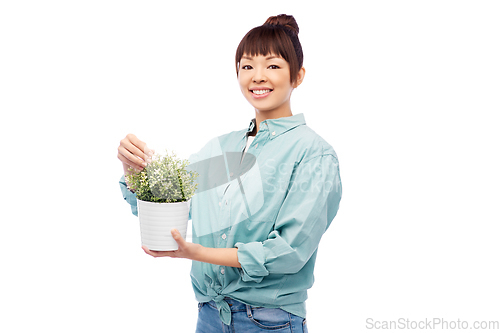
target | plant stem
[{"x": 180, "y": 183}]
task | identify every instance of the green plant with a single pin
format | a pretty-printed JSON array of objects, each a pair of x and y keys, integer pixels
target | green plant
[{"x": 165, "y": 179}]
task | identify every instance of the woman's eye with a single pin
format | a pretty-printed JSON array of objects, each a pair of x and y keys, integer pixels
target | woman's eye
[
  {"x": 247, "y": 67},
  {"x": 274, "y": 67}
]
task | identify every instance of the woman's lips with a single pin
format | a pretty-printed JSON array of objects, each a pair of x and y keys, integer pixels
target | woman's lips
[{"x": 261, "y": 93}]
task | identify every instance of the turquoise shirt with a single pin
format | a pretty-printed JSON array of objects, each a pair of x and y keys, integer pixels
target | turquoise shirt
[{"x": 273, "y": 205}]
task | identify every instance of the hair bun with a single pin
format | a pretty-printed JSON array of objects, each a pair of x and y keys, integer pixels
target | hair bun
[{"x": 287, "y": 21}]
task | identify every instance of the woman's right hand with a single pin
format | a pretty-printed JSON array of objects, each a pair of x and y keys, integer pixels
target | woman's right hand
[{"x": 134, "y": 153}]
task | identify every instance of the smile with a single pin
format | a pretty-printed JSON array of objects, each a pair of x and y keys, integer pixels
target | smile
[{"x": 261, "y": 93}]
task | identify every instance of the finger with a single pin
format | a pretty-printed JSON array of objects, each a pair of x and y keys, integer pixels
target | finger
[
  {"x": 178, "y": 238},
  {"x": 131, "y": 156},
  {"x": 127, "y": 164},
  {"x": 157, "y": 254},
  {"x": 126, "y": 157},
  {"x": 131, "y": 147},
  {"x": 135, "y": 150},
  {"x": 148, "y": 251},
  {"x": 145, "y": 152}
]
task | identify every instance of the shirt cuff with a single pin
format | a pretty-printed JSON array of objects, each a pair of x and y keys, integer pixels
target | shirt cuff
[
  {"x": 129, "y": 197},
  {"x": 252, "y": 259}
]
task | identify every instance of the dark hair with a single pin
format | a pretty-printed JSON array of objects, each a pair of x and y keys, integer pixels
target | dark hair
[{"x": 278, "y": 35}]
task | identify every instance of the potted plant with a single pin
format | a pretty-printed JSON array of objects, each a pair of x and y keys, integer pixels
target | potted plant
[{"x": 164, "y": 189}]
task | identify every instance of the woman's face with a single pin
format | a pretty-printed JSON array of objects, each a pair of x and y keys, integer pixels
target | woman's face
[{"x": 265, "y": 82}]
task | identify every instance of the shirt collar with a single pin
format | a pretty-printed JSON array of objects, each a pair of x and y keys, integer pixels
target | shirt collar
[
  {"x": 278, "y": 126},
  {"x": 251, "y": 127}
]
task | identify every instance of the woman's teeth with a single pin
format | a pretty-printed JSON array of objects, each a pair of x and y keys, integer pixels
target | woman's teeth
[{"x": 261, "y": 92}]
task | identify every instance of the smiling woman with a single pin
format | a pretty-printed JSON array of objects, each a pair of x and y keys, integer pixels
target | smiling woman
[
  {"x": 256, "y": 234},
  {"x": 269, "y": 66}
]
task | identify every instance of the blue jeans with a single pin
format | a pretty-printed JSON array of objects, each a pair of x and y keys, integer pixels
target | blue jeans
[{"x": 248, "y": 319}]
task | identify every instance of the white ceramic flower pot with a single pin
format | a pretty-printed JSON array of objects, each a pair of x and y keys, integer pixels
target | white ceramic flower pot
[{"x": 158, "y": 219}]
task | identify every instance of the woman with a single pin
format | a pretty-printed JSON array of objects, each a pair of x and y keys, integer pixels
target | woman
[{"x": 256, "y": 234}]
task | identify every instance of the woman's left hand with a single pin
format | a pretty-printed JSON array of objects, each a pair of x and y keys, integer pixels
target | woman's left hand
[{"x": 186, "y": 250}]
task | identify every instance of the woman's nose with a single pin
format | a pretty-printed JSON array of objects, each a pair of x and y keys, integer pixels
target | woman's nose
[{"x": 259, "y": 77}]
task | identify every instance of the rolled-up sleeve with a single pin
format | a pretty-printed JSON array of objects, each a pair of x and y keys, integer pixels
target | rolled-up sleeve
[
  {"x": 129, "y": 197},
  {"x": 311, "y": 203}
]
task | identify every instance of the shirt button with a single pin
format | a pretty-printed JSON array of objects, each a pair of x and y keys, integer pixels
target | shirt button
[
  {"x": 222, "y": 270},
  {"x": 231, "y": 174},
  {"x": 224, "y": 236},
  {"x": 273, "y": 133},
  {"x": 256, "y": 145},
  {"x": 220, "y": 203},
  {"x": 226, "y": 202}
]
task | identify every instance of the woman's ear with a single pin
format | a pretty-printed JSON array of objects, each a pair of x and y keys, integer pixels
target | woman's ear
[{"x": 300, "y": 77}]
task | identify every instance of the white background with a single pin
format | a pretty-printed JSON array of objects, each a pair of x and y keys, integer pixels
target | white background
[{"x": 407, "y": 92}]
